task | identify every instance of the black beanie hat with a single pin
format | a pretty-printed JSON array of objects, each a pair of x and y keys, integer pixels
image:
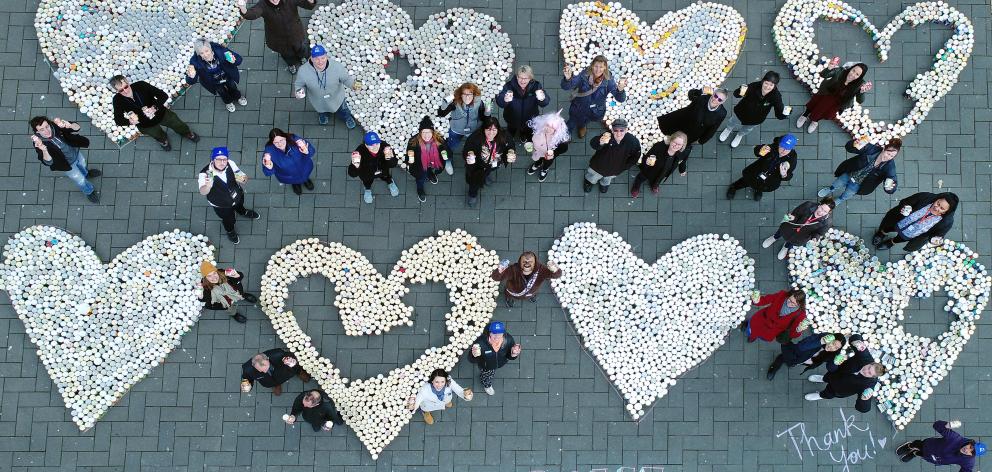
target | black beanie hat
[{"x": 426, "y": 123}]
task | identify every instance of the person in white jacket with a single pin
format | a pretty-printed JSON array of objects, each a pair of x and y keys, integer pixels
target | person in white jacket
[{"x": 437, "y": 394}]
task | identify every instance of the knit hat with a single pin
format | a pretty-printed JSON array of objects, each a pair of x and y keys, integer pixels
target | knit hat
[
  {"x": 219, "y": 151},
  {"x": 206, "y": 268},
  {"x": 426, "y": 123},
  {"x": 772, "y": 76}
]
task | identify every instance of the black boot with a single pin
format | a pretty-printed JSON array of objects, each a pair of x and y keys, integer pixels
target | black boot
[
  {"x": 250, "y": 298},
  {"x": 772, "y": 369}
]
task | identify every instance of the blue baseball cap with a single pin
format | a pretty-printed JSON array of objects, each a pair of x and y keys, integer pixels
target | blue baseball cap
[
  {"x": 317, "y": 51},
  {"x": 497, "y": 327},
  {"x": 219, "y": 151},
  {"x": 371, "y": 138},
  {"x": 788, "y": 142}
]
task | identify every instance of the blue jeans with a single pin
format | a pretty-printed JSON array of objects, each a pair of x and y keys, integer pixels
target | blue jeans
[
  {"x": 454, "y": 140},
  {"x": 735, "y": 125},
  {"x": 850, "y": 187},
  {"x": 344, "y": 113},
  {"x": 78, "y": 175}
]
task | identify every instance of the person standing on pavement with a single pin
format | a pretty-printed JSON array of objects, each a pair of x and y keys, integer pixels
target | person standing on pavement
[
  {"x": 524, "y": 278},
  {"x": 484, "y": 152},
  {"x": 492, "y": 350},
  {"x": 284, "y": 32},
  {"x": 776, "y": 163},
  {"x": 271, "y": 369},
  {"x": 838, "y": 91},
  {"x": 918, "y": 218},
  {"x": 951, "y": 448},
  {"x": 216, "y": 68},
  {"x": 549, "y": 139},
  {"x": 467, "y": 114},
  {"x": 221, "y": 291},
  {"x": 591, "y": 87},
  {"x": 290, "y": 158},
  {"x": 615, "y": 153},
  {"x": 700, "y": 119},
  {"x": 426, "y": 156},
  {"x": 861, "y": 174},
  {"x": 856, "y": 375},
  {"x": 812, "y": 351},
  {"x": 782, "y": 319},
  {"x": 521, "y": 99},
  {"x": 221, "y": 181},
  {"x": 326, "y": 83},
  {"x": 661, "y": 161},
  {"x": 143, "y": 105},
  {"x": 752, "y": 109},
  {"x": 372, "y": 160},
  {"x": 316, "y": 408},
  {"x": 437, "y": 394},
  {"x": 807, "y": 221},
  {"x": 58, "y": 147}
]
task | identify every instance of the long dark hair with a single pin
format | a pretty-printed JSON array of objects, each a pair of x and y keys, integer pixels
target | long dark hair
[
  {"x": 800, "y": 297},
  {"x": 825, "y": 355},
  {"x": 290, "y": 140},
  {"x": 853, "y": 88},
  {"x": 489, "y": 122},
  {"x": 439, "y": 373}
]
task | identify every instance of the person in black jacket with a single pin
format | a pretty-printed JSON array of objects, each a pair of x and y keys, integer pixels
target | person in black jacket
[
  {"x": 699, "y": 119},
  {"x": 807, "y": 221},
  {"x": 549, "y": 139},
  {"x": 57, "y": 145},
  {"x": 485, "y": 151},
  {"x": 372, "y": 160},
  {"x": 271, "y": 368},
  {"x": 752, "y": 109},
  {"x": 143, "y": 105},
  {"x": 776, "y": 164},
  {"x": 615, "y": 153},
  {"x": 811, "y": 351},
  {"x": 216, "y": 68},
  {"x": 857, "y": 375},
  {"x": 221, "y": 181},
  {"x": 917, "y": 219},
  {"x": 837, "y": 92},
  {"x": 426, "y": 156},
  {"x": 861, "y": 174},
  {"x": 491, "y": 351},
  {"x": 317, "y": 409},
  {"x": 521, "y": 99},
  {"x": 660, "y": 161},
  {"x": 221, "y": 291}
]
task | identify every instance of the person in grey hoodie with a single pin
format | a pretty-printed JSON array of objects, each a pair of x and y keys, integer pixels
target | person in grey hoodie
[{"x": 326, "y": 82}]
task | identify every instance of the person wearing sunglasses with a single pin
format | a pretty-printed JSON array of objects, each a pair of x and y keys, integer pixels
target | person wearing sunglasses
[
  {"x": 143, "y": 105},
  {"x": 700, "y": 119}
]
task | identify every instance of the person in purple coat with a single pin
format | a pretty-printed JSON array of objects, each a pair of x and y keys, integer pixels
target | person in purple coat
[
  {"x": 290, "y": 158},
  {"x": 950, "y": 448}
]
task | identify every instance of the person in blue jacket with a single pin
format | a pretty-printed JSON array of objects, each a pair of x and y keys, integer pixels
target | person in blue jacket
[
  {"x": 950, "y": 448},
  {"x": 290, "y": 158},
  {"x": 811, "y": 351},
  {"x": 589, "y": 98},
  {"x": 216, "y": 68},
  {"x": 861, "y": 174}
]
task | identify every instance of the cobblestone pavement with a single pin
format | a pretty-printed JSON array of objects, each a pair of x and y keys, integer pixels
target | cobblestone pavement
[{"x": 555, "y": 410}]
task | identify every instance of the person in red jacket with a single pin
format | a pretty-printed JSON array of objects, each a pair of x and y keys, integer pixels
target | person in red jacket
[{"x": 781, "y": 318}]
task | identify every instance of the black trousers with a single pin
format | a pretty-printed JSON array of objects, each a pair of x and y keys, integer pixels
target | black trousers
[
  {"x": 228, "y": 92},
  {"x": 384, "y": 176},
  {"x": 227, "y": 217},
  {"x": 296, "y": 56}
]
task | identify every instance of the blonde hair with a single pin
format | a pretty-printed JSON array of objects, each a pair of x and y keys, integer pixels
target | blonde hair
[
  {"x": 606, "y": 73},
  {"x": 679, "y": 134},
  {"x": 526, "y": 70}
]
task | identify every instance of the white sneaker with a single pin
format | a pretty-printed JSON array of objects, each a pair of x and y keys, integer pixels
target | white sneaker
[
  {"x": 724, "y": 135},
  {"x": 243, "y": 101},
  {"x": 490, "y": 391},
  {"x": 450, "y": 169},
  {"x": 800, "y": 122},
  {"x": 767, "y": 243},
  {"x": 813, "y": 396},
  {"x": 783, "y": 253},
  {"x": 737, "y": 141},
  {"x": 816, "y": 378},
  {"x": 230, "y": 107},
  {"x": 824, "y": 192},
  {"x": 812, "y": 127}
]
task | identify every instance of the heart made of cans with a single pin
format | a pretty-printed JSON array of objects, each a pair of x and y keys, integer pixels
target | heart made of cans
[
  {"x": 794, "y": 39},
  {"x": 685, "y": 49},
  {"x": 101, "y": 328},
  {"x": 850, "y": 291},
  {"x": 89, "y": 41},
  {"x": 452, "y": 47},
  {"x": 370, "y": 304},
  {"x": 647, "y": 325}
]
